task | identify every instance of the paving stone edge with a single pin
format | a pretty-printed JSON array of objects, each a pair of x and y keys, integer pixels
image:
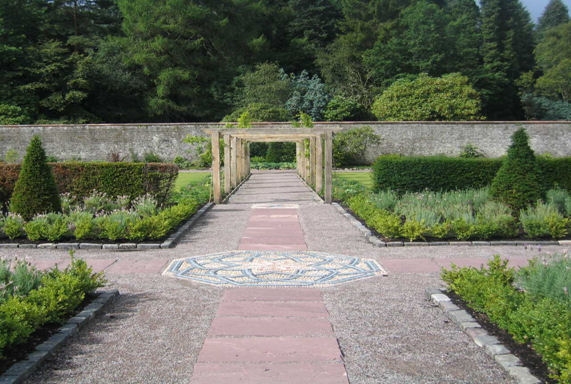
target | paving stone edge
[
  {"x": 380, "y": 243},
  {"x": 21, "y": 370},
  {"x": 492, "y": 346}
]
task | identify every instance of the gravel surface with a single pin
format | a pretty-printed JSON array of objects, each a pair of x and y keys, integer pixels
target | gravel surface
[{"x": 387, "y": 330}]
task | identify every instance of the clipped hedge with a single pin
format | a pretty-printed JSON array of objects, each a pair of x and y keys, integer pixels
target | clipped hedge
[
  {"x": 439, "y": 173},
  {"x": 112, "y": 178}
]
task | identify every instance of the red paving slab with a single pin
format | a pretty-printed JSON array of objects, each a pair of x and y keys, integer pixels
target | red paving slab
[
  {"x": 132, "y": 265},
  {"x": 270, "y": 373},
  {"x": 270, "y": 326},
  {"x": 276, "y": 229},
  {"x": 270, "y": 335}
]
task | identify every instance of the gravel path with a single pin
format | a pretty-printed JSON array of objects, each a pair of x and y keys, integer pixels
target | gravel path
[{"x": 387, "y": 330}]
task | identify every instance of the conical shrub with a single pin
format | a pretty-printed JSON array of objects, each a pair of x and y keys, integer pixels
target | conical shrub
[
  {"x": 518, "y": 182},
  {"x": 35, "y": 191}
]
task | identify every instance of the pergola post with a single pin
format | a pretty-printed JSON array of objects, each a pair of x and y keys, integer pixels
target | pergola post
[
  {"x": 328, "y": 167},
  {"x": 227, "y": 165},
  {"x": 215, "y": 140},
  {"x": 312, "y": 161},
  {"x": 239, "y": 161},
  {"x": 233, "y": 161},
  {"x": 298, "y": 157},
  {"x": 319, "y": 164}
]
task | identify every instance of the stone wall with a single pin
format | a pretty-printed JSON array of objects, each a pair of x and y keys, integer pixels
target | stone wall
[{"x": 128, "y": 141}]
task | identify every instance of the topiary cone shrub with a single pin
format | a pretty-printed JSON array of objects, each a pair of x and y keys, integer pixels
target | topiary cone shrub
[
  {"x": 35, "y": 191},
  {"x": 518, "y": 182}
]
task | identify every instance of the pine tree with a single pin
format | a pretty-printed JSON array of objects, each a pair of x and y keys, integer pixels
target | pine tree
[
  {"x": 518, "y": 181},
  {"x": 35, "y": 191},
  {"x": 507, "y": 51},
  {"x": 555, "y": 13}
]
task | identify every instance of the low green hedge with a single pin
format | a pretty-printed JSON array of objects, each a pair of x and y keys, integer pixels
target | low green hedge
[
  {"x": 112, "y": 178},
  {"x": 54, "y": 300},
  {"x": 542, "y": 321},
  {"x": 439, "y": 173}
]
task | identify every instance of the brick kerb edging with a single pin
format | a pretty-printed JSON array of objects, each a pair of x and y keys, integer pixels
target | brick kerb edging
[
  {"x": 492, "y": 346},
  {"x": 18, "y": 372},
  {"x": 379, "y": 243},
  {"x": 170, "y": 242}
]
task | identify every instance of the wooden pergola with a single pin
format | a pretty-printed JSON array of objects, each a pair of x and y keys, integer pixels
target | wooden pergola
[{"x": 316, "y": 169}]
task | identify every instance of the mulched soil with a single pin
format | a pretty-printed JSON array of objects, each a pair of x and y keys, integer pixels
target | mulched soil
[{"x": 524, "y": 352}]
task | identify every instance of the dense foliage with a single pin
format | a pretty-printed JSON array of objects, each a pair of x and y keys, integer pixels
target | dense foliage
[
  {"x": 532, "y": 304},
  {"x": 187, "y": 60},
  {"x": 35, "y": 190},
  {"x": 518, "y": 182},
  {"x": 34, "y": 298},
  {"x": 439, "y": 173},
  {"x": 114, "y": 179}
]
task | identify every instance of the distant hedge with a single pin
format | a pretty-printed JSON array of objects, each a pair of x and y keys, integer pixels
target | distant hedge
[
  {"x": 113, "y": 178},
  {"x": 439, "y": 173}
]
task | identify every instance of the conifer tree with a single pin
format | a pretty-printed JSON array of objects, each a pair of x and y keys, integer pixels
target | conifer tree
[
  {"x": 518, "y": 181},
  {"x": 555, "y": 13},
  {"x": 35, "y": 191}
]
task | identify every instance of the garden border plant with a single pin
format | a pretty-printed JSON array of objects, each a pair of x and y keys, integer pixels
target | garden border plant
[{"x": 533, "y": 309}]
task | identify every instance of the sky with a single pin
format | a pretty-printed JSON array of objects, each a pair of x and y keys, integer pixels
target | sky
[{"x": 536, "y": 7}]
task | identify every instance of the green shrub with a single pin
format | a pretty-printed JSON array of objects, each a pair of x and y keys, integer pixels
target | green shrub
[
  {"x": 518, "y": 182},
  {"x": 83, "y": 225},
  {"x": 35, "y": 191},
  {"x": 543, "y": 220},
  {"x": 349, "y": 147},
  {"x": 51, "y": 227},
  {"x": 13, "y": 226},
  {"x": 547, "y": 278},
  {"x": 52, "y": 301},
  {"x": 534, "y": 316}
]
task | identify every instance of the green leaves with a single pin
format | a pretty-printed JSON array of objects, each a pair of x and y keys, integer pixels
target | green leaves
[{"x": 448, "y": 98}]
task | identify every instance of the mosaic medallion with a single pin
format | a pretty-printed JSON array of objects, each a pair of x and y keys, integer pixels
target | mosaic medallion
[{"x": 273, "y": 269}]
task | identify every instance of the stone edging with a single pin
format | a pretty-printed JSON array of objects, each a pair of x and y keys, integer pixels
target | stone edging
[
  {"x": 18, "y": 372},
  {"x": 492, "y": 346},
  {"x": 379, "y": 243},
  {"x": 170, "y": 242}
]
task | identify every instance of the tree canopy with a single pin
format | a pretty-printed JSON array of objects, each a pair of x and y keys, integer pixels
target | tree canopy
[{"x": 114, "y": 61}]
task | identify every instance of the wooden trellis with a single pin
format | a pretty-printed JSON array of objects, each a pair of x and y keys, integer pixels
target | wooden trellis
[{"x": 316, "y": 169}]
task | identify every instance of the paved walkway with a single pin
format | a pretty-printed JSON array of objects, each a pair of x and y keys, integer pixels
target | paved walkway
[{"x": 375, "y": 330}]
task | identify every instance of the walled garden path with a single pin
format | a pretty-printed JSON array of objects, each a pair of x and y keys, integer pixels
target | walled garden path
[{"x": 271, "y": 305}]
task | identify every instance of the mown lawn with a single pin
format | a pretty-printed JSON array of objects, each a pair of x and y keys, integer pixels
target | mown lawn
[
  {"x": 363, "y": 177},
  {"x": 190, "y": 177}
]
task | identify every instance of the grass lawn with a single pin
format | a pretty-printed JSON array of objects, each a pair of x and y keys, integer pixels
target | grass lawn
[
  {"x": 360, "y": 177},
  {"x": 189, "y": 177}
]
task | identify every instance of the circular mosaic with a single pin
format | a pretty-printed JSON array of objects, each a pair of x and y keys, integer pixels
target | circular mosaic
[{"x": 273, "y": 268}]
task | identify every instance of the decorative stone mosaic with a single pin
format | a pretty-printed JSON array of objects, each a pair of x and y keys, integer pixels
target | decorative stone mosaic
[{"x": 273, "y": 269}]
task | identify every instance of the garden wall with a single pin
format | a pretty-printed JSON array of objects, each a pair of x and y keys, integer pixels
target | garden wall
[{"x": 129, "y": 141}]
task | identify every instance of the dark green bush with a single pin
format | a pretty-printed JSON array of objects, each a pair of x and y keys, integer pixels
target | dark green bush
[
  {"x": 35, "y": 191},
  {"x": 439, "y": 173},
  {"x": 114, "y": 179},
  {"x": 436, "y": 173},
  {"x": 518, "y": 182}
]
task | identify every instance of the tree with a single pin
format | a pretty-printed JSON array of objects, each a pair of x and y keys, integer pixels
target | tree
[
  {"x": 308, "y": 96},
  {"x": 554, "y": 59},
  {"x": 518, "y": 181},
  {"x": 35, "y": 191},
  {"x": 507, "y": 50},
  {"x": 555, "y": 13},
  {"x": 426, "y": 98}
]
